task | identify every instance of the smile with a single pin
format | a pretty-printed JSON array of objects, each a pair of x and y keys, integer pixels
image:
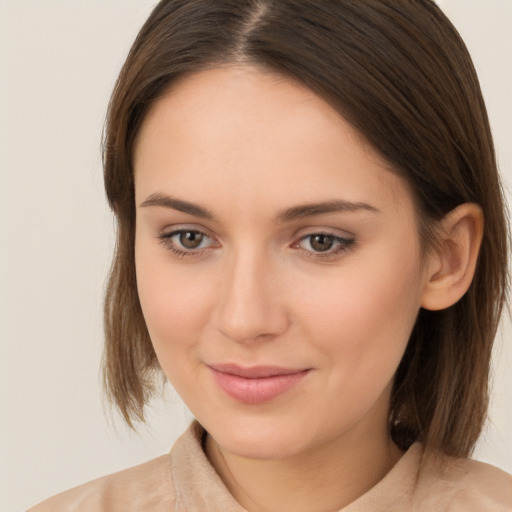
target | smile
[{"x": 258, "y": 384}]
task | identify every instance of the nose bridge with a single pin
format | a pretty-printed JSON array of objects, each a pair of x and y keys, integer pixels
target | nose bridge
[{"x": 249, "y": 307}]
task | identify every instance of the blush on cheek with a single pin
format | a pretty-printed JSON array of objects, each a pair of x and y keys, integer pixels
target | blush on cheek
[
  {"x": 173, "y": 306},
  {"x": 373, "y": 312}
]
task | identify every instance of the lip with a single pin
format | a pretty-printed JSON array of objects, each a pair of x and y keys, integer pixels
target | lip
[{"x": 256, "y": 384}]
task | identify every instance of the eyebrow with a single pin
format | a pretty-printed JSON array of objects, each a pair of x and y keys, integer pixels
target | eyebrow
[
  {"x": 177, "y": 204},
  {"x": 333, "y": 206},
  {"x": 294, "y": 213}
]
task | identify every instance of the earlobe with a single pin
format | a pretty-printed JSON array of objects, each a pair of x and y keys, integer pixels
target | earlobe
[{"x": 452, "y": 265}]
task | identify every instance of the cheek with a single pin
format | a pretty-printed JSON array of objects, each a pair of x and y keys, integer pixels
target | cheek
[
  {"x": 363, "y": 316},
  {"x": 175, "y": 303},
  {"x": 360, "y": 324}
]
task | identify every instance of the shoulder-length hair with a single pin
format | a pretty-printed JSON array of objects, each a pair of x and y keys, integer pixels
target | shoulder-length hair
[{"x": 398, "y": 71}]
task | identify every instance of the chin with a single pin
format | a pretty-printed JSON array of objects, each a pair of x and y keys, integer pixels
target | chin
[
  {"x": 257, "y": 438},
  {"x": 251, "y": 448}
]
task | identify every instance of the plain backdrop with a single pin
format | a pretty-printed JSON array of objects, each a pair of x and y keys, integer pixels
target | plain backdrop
[{"x": 58, "y": 63}]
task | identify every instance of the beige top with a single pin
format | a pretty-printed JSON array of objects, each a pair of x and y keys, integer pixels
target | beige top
[{"x": 184, "y": 481}]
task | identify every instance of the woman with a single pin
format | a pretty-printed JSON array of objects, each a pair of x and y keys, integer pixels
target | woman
[{"x": 312, "y": 248}]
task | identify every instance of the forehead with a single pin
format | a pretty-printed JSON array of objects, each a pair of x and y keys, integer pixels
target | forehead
[{"x": 240, "y": 132}]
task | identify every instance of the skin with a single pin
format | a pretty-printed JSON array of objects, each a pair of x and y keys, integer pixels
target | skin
[{"x": 246, "y": 145}]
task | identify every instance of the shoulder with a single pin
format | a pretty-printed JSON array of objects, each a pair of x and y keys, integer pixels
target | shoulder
[
  {"x": 454, "y": 485},
  {"x": 180, "y": 480},
  {"x": 148, "y": 486}
]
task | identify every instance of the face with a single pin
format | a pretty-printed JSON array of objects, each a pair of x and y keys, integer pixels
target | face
[{"x": 278, "y": 262}]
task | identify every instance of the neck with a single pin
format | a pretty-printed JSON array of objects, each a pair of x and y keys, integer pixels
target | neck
[{"x": 322, "y": 479}]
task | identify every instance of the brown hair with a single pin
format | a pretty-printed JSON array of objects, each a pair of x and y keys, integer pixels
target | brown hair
[{"x": 399, "y": 72}]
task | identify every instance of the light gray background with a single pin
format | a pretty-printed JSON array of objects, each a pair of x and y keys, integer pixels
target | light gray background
[{"x": 58, "y": 63}]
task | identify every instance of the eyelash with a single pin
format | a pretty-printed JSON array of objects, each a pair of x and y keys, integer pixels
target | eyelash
[
  {"x": 342, "y": 245},
  {"x": 166, "y": 241}
]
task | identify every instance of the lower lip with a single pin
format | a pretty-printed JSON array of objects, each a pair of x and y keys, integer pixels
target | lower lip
[{"x": 259, "y": 390}]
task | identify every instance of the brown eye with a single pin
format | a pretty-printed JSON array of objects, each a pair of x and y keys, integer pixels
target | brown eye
[
  {"x": 321, "y": 243},
  {"x": 191, "y": 239},
  {"x": 187, "y": 242},
  {"x": 324, "y": 244}
]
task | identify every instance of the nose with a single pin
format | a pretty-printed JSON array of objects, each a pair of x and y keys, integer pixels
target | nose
[{"x": 250, "y": 308}]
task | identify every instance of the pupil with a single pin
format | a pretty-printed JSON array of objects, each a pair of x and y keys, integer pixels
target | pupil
[
  {"x": 322, "y": 242},
  {"x": 191, "y": 239}
]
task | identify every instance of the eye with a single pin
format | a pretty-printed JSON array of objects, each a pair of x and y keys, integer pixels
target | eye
[
  {"x": 186, "y": 242},
  {"x": 189, "y": 239},
  {"x": 320, "y": 242},
  {"x": 324, "y": 244}
]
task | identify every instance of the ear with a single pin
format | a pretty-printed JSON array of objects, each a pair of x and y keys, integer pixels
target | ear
[{"x": 451, "y": 267}]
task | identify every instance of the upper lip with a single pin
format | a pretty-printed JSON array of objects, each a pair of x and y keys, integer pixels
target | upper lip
[{"x": 255, "y": 372}]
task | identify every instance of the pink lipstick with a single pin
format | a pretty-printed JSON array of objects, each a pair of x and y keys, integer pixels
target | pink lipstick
[{"x": 257, "y": 384}]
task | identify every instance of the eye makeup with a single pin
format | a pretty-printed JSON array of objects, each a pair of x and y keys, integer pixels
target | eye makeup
[
  {"x": 192, "y": 243},
  {"x": 186, "y": 242}
]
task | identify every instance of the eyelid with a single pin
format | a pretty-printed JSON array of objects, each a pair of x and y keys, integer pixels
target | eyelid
[
  {"x": 343, "y": 242},
  {"x": 166, "y": 235},
  {"x": 170, "y": 230},
  {"x": 341, "y": 239},
  {"x": 322, "y": 230}
]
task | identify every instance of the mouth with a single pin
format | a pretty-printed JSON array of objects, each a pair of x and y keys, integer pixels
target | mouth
[{"x": 257, "y": 384}]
